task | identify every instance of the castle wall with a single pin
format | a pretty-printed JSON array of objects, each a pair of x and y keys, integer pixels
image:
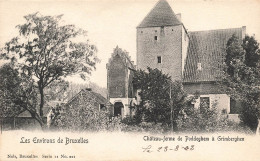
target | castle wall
[
  {"x": 168, "y": 45},
  {"x": 185, "y": 43}
]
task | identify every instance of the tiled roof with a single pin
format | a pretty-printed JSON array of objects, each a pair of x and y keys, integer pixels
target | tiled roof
[
  {"x": 88, "y": 93},
  {"x": 161, "y": 15},
  {"x": 100, "y": 98},
  {"x": 207, "y": 48}
]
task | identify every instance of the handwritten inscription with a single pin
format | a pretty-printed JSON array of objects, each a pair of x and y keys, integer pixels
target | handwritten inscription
[{"x": 150, "y": 148}]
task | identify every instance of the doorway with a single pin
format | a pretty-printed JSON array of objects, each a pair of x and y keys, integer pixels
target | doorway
[{"x": 118, "y": 108}]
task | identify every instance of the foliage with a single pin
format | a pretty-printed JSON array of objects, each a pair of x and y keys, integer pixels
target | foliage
[
  {"x": 241, "y": 77},
  {"x": 46, "y": 50},
  {"x": 82, "y": 113},
  {"x": 146, "y": 127},
  {"x": 9, "y": 81},
  {"x": 130, "y": 120},
  {"x": 17, "y": 93},
  {"x": 251, "y": 47},
  {"x": 158, "y": 94},
  {"x": 205, "y": 119},
  {"x": 86, "y": 119},
  {"x": 56, "y": 91}
]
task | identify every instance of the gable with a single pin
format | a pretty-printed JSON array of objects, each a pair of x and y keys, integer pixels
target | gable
[
  {"x": 119, "y": 70},
  {"x": 86, "y": 96}
]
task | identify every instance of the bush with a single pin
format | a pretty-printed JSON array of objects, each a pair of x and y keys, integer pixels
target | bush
[
  {"x": 86, "y": 119},
  {"x": 134, "y": 125},
  {"x": 146, "y": 127},
  {"x": 206, "y": 119}
]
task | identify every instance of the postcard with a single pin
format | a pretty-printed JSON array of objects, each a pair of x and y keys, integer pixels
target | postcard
[{"x": 129, "y": 80}]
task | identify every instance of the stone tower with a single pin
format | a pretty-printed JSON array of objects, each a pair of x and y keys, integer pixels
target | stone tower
[
  {"x": 162, "y": 41},
  {"x": 119, "y": 82}
]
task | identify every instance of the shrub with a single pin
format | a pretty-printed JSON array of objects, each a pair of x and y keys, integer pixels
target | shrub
[
  {"x": 206, "y": 119},
  {"x": 85, "y": 119},
  {"x": 146, "y": 127}
]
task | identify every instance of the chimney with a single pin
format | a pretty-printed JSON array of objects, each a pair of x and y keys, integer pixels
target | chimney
[
  {"x": 88, "y": 89},
  {"x": 179, "y": 16}
]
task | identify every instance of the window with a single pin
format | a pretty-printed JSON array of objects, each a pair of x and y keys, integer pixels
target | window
[
  {"x": 191, "y": 105},
  {"x": 204, "y": 102},
  {"x": 155, "y": 37},
  {"x": 159, "y": 59},
  {"x": 155, "y": 30},
  {"x": 102, "y": 107},
  {"x": 235, "y": 106},
  {"x": 141, "y": 32}
]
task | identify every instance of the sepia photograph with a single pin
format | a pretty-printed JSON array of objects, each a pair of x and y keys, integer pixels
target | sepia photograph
[{"x": 129, "y": 80}]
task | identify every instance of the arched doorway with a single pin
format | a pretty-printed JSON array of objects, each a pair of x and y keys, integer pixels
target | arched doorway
[{"x": 118, "y": 108}]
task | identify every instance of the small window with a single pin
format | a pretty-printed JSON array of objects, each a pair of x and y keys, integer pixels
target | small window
[
  {"x": 141, "y": 32},
  {"x": 102, "y": 107},
  {"x": 191, "y": 105},
  {"x": 204, "y": 102},
  {"x": 235, "y": 106},
  {"x": 155, "y": 30},
  {"x": 155, "y": 38},
  {"x": 159, "y": 59},
  {"x": 172, "y": 29}
]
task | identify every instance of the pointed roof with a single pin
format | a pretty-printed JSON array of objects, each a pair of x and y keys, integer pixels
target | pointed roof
[{"x": 161, "y": 15}]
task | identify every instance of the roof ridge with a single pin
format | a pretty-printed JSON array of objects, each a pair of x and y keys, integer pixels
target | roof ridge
[
  {"x": 215, "y": 29},
  {"x": 74, "y": 96}
]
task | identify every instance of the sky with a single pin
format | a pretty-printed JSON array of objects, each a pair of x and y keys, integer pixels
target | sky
[{"x": 113, "y": 22}]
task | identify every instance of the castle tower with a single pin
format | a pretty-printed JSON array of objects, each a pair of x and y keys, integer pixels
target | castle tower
[
  {"x": 119, "y": 82},
  {"x": 162, "y": 41}
]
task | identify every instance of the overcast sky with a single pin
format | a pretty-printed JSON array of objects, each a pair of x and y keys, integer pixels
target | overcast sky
[{"x": 113, "y": 22}]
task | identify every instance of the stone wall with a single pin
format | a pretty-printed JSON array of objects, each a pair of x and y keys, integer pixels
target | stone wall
[
  {"x": 117, "y": 78},
  {"x": 161, "y": 41}
]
